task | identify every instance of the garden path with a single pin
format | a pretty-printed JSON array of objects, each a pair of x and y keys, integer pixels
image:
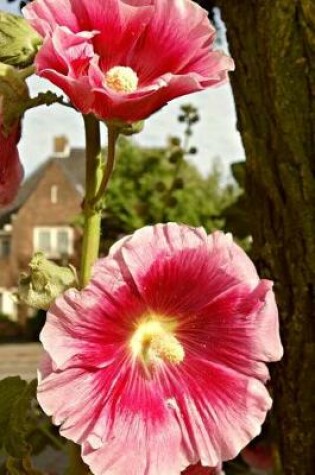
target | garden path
[{"x": 19, "y": 359}]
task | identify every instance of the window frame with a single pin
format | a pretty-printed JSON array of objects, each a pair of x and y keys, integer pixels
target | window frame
[
  {"x": 7, "y": 239},
  {"x": 53, "y": 231}
]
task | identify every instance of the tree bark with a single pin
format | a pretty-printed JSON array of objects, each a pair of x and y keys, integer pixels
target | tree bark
[{"x": 273, "y": 43}]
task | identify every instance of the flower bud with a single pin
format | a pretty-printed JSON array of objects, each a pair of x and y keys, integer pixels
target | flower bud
[
  {"x": 174, "y": 142},
  {"x": 176, "y": 156},
  {"x": 13, "y": 96},
  {"x": 45, "y": 282},
  {"x": 160, "y": 187},
  {"x": 19, "y": 43},
  {"x": 172, "y": 202},
  {"x": 178, "y": 183},
  {"x": 125, "y": 128},
  {"x": 193, "y": 150}
]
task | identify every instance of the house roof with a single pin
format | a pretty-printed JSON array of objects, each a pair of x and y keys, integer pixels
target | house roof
[{"x": 73, "y": 167}]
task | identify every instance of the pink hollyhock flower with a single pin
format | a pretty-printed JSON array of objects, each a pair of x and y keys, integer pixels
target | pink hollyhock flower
[
  {"x": 11, "y": 170},
  {"x": 198, "y": 469},
  {"x": 159, "y": 362},
  {"x": 125, "y": 59},
  {"x": 259, "y": 456}
]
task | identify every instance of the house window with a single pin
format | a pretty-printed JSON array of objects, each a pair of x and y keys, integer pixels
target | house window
[
  {"x": 54, "y": 194},
  {"x": 5, "y": 247},
  {"x": 54, "y": 242},
  {"x": 44, "y": 241},
  {"x": 63, "y": 241}
]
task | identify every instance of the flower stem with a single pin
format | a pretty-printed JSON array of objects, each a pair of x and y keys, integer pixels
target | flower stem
[
  {"x": 53, "y": 439},
  {"x": 92, "y": 214},
  {"x": 113, "y": 134},
  {"x": 96, "y": 184},
  {"x": 27, "y": 72}
]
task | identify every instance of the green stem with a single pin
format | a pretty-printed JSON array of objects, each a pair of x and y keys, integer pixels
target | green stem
[
  {"x": 96, "y": 183},
  {"x": 113, "y": 134},
  {"x": 27, "y": 72},
  {"x": 92, "y": 214},
  {"x": 55, "y": 441}
]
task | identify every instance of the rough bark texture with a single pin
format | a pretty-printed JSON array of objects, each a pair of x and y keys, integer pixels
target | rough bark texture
[{"x": 272, "y": 42}]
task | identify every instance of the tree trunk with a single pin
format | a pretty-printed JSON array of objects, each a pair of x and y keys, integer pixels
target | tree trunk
[{"x": 272, "y": 42}]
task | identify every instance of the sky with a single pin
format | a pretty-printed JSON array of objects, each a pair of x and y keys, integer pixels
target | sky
[{"x": 215, "y": 135}]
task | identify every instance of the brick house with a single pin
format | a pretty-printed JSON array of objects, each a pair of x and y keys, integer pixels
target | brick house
[{"x": 42, "y": 219}]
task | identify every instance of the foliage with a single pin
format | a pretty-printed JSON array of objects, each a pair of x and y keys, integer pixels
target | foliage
[
  {"x": 160, "y": 185},
  {"x": 15, "y": 401},
  {"x": 237, "y": 214},
  {"x": 24, "y": 428}
]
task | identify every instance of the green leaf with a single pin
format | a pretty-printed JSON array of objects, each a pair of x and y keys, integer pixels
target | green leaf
[
  {"x": 21, "y": 467},
  {"x": 19, "y": 422},
  {"x": 239, "y": 173},
  {"x": 10, "y": 391}
]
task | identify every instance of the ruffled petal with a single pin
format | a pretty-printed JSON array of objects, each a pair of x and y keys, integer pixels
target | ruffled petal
[
  {"x": 116, "y": 414},
  {"x": 146, "y": 100},
  {"x": 169, "y": 278},
  {"x": 46, "y": 15},
  {"x": 74, "y": 50},
  {"x": 169, "y": 46},
  {"x": 198, "y": 469},
  {"x": 120, "y": 24},
  {"x": 62, "y": 59},
  {"x": 238, "y": 329},
  {"x": 141, "y": 423},
  {"x": 219, "y": 410},
  {"x": 90, "y": 328}
]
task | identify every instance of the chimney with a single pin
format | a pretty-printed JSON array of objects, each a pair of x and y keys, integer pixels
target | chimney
[{"x": 61, "y": 147}]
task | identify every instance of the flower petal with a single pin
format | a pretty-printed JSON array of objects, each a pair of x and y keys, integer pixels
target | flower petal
[
  {"x": 120, "y": 27},
  {"x": 169, "y": 264},
  {"x": 174, "y": 43},
  {"x": 74, "y": 50},
  {"x": 90, "y": 328},
  {"x": 46, "y": 15},
  {"x": 238, "y": 329},
  {"x": 116, "y": 414},
  {"x": 219, "y": 411}
]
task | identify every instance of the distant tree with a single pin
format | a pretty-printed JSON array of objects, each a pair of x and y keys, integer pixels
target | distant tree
[{"x": 149, "y": 186}]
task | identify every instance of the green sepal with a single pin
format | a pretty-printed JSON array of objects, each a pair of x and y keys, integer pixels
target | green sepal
[
  {"x": 125, "y": 128},
  {"x": 14, "y": 96},
  {"x": 19, "y": 42}
]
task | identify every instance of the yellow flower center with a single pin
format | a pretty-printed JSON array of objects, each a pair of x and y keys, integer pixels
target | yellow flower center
[
  {"x": 153, "y": 342},
  {"x": 121, "y": 79}
]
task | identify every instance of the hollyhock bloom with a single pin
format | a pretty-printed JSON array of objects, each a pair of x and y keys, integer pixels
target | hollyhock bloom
[
  {"x": 125, "y": 59},
  {"x": 11, "y": 170},
  {"x": 259, "y": 456},
  {"x": 198, "y": 469},
  {"x": 159, "y": 362}
]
